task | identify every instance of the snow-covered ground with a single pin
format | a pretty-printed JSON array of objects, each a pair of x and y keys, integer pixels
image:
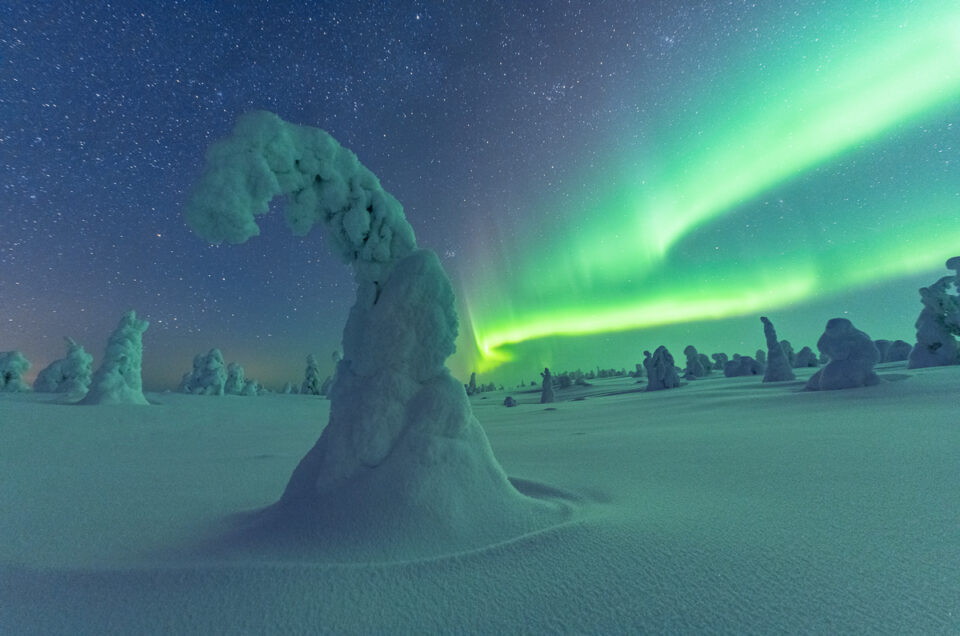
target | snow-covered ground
[{"x": 724, "y": 506}]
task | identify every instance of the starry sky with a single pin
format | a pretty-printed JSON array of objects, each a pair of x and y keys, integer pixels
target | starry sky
[{"x": 598, "y": 177}]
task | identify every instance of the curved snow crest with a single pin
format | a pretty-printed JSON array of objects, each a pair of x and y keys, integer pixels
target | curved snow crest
[{"x": 265, "y": 157}]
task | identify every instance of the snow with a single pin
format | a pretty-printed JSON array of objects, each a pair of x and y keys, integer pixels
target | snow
[
  {"x": 852, "y": 355},
  {"x": 13, "y": 365},
  {"x": 118, "y": 379},
  {"x": 208, "y": 377},
  {"x": 741, "y": 507},
  {"x": 71, "y": 374},
  {"x": 778, "y": 361}
]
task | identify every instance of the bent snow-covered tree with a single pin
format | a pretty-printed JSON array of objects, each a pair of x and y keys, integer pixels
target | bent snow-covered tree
[{"x": 402, "y": 454}]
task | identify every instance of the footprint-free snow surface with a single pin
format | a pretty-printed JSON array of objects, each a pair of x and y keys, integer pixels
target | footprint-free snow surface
[{"x": 723, "y": 506}]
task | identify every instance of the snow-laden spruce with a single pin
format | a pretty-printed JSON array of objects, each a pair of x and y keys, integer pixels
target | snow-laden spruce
[
  {"x": 208, "y": 377},
  {"x": 236, "y": 379},
  {"x": 938, "y": 323},
  {"x": 694, "y": 368},
  {"x": 118, "y": 379},
  {"x": 852, "y": 356},
  {"x": 71, "y": 374},
  {"x": 402, "y": 459},
  {"x": 805, "y": 358},
  {"x": 13, "y": 365},
  {"x": 312, "y": 380},
  {"x": 778, "y": 364},
  {"x": 546, "y": 387},
  {"x": 661, "y": 370}
]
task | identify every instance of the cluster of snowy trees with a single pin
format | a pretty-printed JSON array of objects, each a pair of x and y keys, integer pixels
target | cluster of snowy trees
[{"x": 118, "y": 380}]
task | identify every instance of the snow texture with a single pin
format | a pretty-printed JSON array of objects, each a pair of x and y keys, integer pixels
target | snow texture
[
  {"x": 71, "y": 375},
  {"x": 312, "y": 382},
  {"x": 661, "y": 370},
  {"x": 12, "y": 367},
  {"x": 208, "y": 377},
  {"x": 852, "y": 356},
  {"x": 402, "y": 454},
  {"x": 778, "y": 365},
  {"x": 118, "y": 380}
]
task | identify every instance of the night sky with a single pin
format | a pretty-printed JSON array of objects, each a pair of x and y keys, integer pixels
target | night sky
[{"x": 598, "y": 178}]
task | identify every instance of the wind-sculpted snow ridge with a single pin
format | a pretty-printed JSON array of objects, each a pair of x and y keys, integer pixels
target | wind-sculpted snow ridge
[{"x": 403, "y": 461}]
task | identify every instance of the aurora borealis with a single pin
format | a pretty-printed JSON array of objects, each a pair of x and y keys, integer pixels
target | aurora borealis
[
  {"x": 598, "y": 177},
  {"x": 854, "y": 99}
]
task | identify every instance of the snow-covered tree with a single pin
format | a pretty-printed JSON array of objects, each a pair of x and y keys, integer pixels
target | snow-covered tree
[
  {"x": 472, "y": 385},
  {"x": 546, "y": 394},
  {"x": 118, "y": 379},
  {"x": 852, "y": 356},
  {"x": 898, "y": 351},
  {"x": 312, "y": 380},
  {"x": 236, "y": 379},
  {"x": 661, "y": 370},
  {"x": 719, "y": 361},
  {"x": 805, "y": 358},
  {"x": 695, "y": 368},
  {"x": 778, "y": 365},
  {"x": 741, "y": 366},
  {"x": 71, "y": 375},
  {"x": 402, "y": 454},
  {"x": 208, "y": 377},
  {"x": 13, "y": 365},
  {"x": 938, "y": 323}
]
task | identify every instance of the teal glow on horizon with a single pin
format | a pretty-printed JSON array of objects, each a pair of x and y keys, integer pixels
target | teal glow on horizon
[{"x": 628, "y": 259}]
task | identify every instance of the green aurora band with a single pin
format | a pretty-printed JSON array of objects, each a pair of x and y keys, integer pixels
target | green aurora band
[{"x": 884, "y": 82}]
